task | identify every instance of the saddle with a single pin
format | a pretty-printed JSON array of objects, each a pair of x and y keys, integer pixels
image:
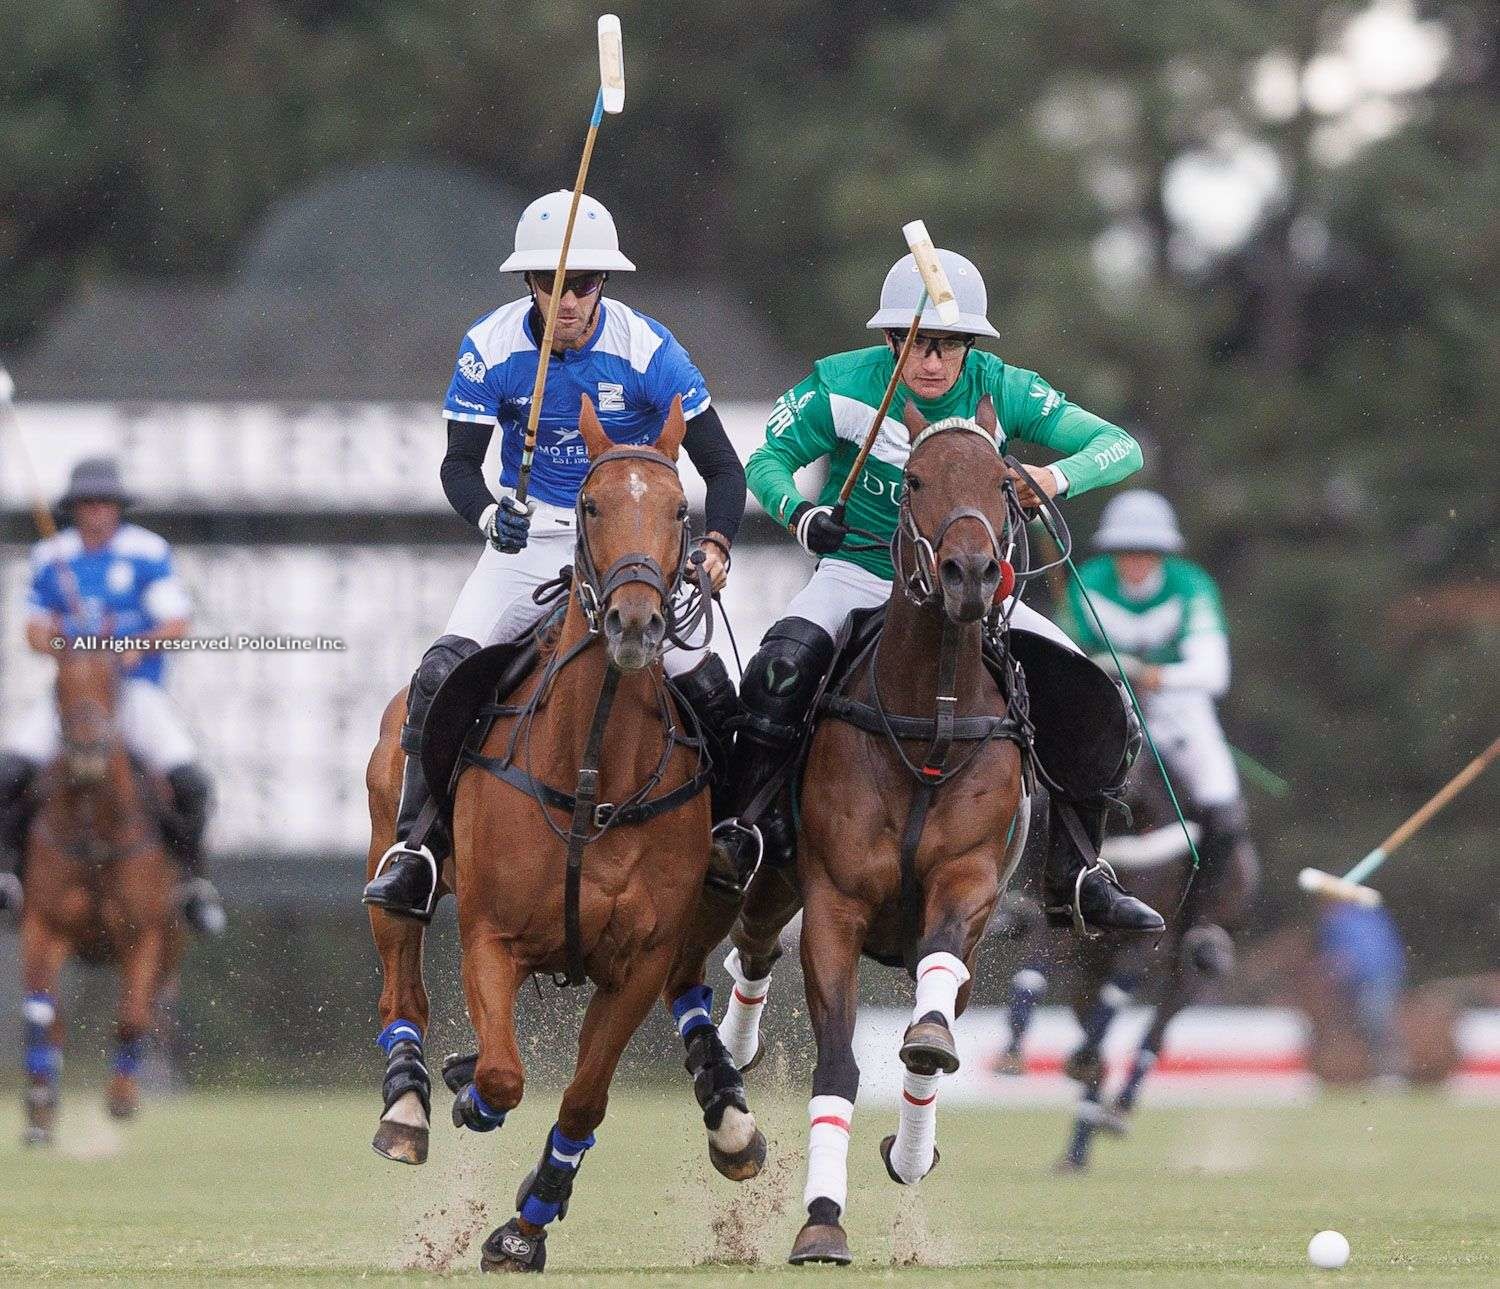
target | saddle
[
  {"x": 457, "y": 718},
  {"x": 1076, "y": 731}
]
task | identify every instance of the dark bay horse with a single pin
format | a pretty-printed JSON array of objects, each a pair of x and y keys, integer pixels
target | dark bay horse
[
  {"x": 1196, "y": 950},
  {"x": 99, "y": 886},
  {"x": 557, "y": 883}
]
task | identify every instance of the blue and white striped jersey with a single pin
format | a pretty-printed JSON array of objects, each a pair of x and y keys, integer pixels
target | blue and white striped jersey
[
  {"x": 128, "y": 583},
  {"x": 631, "y": 368}
]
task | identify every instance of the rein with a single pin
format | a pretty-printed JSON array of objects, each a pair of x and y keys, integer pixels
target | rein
[{"x": 589, "y": 818}]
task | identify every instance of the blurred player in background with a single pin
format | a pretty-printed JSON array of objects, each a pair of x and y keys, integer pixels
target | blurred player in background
[{"x": 108, "y": 578}]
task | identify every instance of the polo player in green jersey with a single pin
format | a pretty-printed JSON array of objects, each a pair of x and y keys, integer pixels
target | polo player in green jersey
[
  {"x": 1165, "y": 618},
  {"x": 827, "y": 417}
]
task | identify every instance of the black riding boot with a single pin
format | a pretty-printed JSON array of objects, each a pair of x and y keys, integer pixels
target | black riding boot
[
  {"x": 776, "y": 699},
  {"x": 192, "y": 802},
  {"x": 1078, "y": 888},
  {"x": 405, "y": 881},
  {"x": 17, "y": 809}
]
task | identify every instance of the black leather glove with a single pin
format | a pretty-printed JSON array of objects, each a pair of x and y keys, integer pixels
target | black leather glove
[{"x": 816, "y": 529}]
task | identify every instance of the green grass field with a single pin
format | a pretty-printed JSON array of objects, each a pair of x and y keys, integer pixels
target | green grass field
[{"x": 285, "y": 1190}]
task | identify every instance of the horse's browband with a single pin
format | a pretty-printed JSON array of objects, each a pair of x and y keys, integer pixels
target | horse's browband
[
  {"x": 629, "y": 452},
  {"x": 955, "y": 423}
]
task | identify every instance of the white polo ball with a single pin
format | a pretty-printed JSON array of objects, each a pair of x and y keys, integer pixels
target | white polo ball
[{"x": 1328, "y": 1249}]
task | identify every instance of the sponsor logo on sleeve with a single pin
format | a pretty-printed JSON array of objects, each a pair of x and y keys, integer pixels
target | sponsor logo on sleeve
[
  {"x": 784, "y": 413},
  {"x": 1052, "y": 400},
  {"x": 464, "y": 402},
  {"x": 472, "y": 366}
]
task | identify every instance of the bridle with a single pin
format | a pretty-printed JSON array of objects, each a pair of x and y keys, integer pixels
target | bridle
[
  {"x": 920, "y": 585},
  {"x": 594, "y": 590}
]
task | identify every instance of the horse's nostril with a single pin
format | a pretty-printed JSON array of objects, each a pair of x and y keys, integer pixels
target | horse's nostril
[
  {"x": 612, "y": 622},
  {"x": 991, "y": 571},
  {"x": 951, "y": 573}
]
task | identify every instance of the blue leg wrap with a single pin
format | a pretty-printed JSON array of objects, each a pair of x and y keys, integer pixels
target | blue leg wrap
[
  {"x": 398, "y": 1031},
  {"x": 128, "y": 1054},
  {"x": 554, "y": 1178},
  {"x": 472, "y": 1111},
  {"x": 43, "y": 1057},
  {"x": 693, "y": 1008}
]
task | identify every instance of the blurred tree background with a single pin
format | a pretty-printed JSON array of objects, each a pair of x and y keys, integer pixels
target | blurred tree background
[{"x": 1250, "y": 231}]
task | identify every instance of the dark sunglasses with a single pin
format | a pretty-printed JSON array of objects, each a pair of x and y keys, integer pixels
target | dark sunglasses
[
  {"x": 945, "y": 345},
  {"x": 580, "y": 284}
]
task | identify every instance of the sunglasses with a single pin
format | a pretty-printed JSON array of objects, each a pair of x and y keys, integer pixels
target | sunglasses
[
  {"x": 945, "y": 345},
  {"x": 580, "y": 284}
]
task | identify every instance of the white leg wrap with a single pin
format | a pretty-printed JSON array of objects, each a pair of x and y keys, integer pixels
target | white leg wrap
[
  {"x": 740, "y": 1028},
  {"x": 828, "y": 1149},
  {"x": 939, "y": 976},
  {"x": 916, "y": 1134}
]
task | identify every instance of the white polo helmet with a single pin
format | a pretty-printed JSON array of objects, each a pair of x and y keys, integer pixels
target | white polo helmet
[
  {"x": 1139, "y": 520},
  {"x": 903, "y": 288},
  {"x": 539, "y": 235}
]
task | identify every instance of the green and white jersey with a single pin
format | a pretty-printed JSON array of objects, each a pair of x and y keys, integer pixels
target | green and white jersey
[
  {"x": 829, "y": 414},
  {"x": 1177, "y": 623}
]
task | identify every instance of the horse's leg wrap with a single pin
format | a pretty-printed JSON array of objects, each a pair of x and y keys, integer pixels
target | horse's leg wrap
[
  {"x": 43, "y": 1056},
  {"x": 717, "y": 1081},
  {"x": 740, "y": 1028},
  {"x": 829, "y": 1121},
  {"x": 545, "y": 1192},
  {"x": 470, "y": 1110},
  {"x": 129, "y": 1052},
  {"x": 912, "y": 1153},
  {"x": 405, "y": 1065}
]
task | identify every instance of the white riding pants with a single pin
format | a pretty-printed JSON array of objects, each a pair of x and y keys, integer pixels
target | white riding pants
[
  {"x": 148, "y": 720},
  {"x": 837, "y": 588},
  {"x": 495, "y": 603},
  {"x": 1192, "y": 743}
]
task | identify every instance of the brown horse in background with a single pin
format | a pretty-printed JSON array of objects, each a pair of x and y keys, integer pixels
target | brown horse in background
[
  {"x": 99, "y": 886},
  {"x": 1196, "y": 950},
  {"x": 639, "y": 877}
]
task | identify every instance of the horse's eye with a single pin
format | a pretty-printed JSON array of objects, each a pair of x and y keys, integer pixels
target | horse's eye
[
  {"x": 682, "y": 511},
  {"x": 913, "y": 482},
  {"x": 589, "y": 508}
]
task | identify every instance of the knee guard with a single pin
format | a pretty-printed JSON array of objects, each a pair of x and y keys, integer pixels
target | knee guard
[
  {"x": 437, "y": 664},
  {"x": 710, "y": 693},
  {"x": 782, "y": 679},
  {"x": 1133, "y": 734},
  {"x": 1210, "y": 950},
  {"x": 17, "y": 803},
  {"x": 192, "y": 802}
]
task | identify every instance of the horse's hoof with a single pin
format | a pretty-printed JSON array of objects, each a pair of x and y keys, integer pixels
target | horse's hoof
[
  {"x": 458, "y": 1070},
  {"x": 508, "y": 1248},
  {"x": 820, "y": 1242},
  {"x": 1067, "y": 1166},
  {"x": 1113, "y": 1122},
  {"x": 122, "y": 1098},
  {"x": 35, "y": 1136},
  {"x": 887, "y": 1144},
  {"x": 1012, "y": 1064},
  {"x": 927, "y": 1048},
  {"x": 740, "y": 1165},
  {"x": 401, "y": 1142}
]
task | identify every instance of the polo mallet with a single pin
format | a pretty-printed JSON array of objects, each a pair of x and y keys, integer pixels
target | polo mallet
[
  {"x": 611, "y": 99},
  {"x": 1350, "y": 886},
  {"x": 935, "y": 288},
  {"x": 41, "y": 512}
]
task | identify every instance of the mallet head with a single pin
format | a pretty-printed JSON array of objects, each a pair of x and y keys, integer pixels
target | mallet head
[
  {"x": 1316, "y": 882},
  {"x": 939, "y": 292},
  {"x": 611, "y": 63}
]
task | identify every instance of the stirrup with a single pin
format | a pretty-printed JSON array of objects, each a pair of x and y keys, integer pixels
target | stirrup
[
  {"x": 1080, "y": 927},
  {"x": 734, "y": 827},
  {"x": 416, "y": 852}
]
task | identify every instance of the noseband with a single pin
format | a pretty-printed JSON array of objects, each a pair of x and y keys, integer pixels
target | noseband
[
  {"x": 595, "y": 589},
  {"x": 921, "y": 584}
]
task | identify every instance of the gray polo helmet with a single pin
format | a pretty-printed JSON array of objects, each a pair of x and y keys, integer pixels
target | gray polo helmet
[
  {"x": 903, "y": 288},
  {"x": 1139, "y": 520},
  {"x": 96, "y": 479}
]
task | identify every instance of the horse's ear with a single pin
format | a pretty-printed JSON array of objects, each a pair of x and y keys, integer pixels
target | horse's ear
[
  {"x": 985, "y": 417},
  {"x": 672, "y": 430},
  {"x": 594, "y": 437},
  {"x": 914, "y": 421}
]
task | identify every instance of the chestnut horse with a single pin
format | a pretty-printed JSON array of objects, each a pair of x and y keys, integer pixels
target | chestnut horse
[
  {"x": 545, "y": 883},
  {"x": 99, "y": 886}
]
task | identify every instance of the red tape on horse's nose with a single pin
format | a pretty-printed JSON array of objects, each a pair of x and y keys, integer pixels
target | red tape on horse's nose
[{"x": 1007, "y": 582}]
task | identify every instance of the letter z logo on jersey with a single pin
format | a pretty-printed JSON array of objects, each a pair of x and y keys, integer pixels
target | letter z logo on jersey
[{"x": 611, "y": 397}]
